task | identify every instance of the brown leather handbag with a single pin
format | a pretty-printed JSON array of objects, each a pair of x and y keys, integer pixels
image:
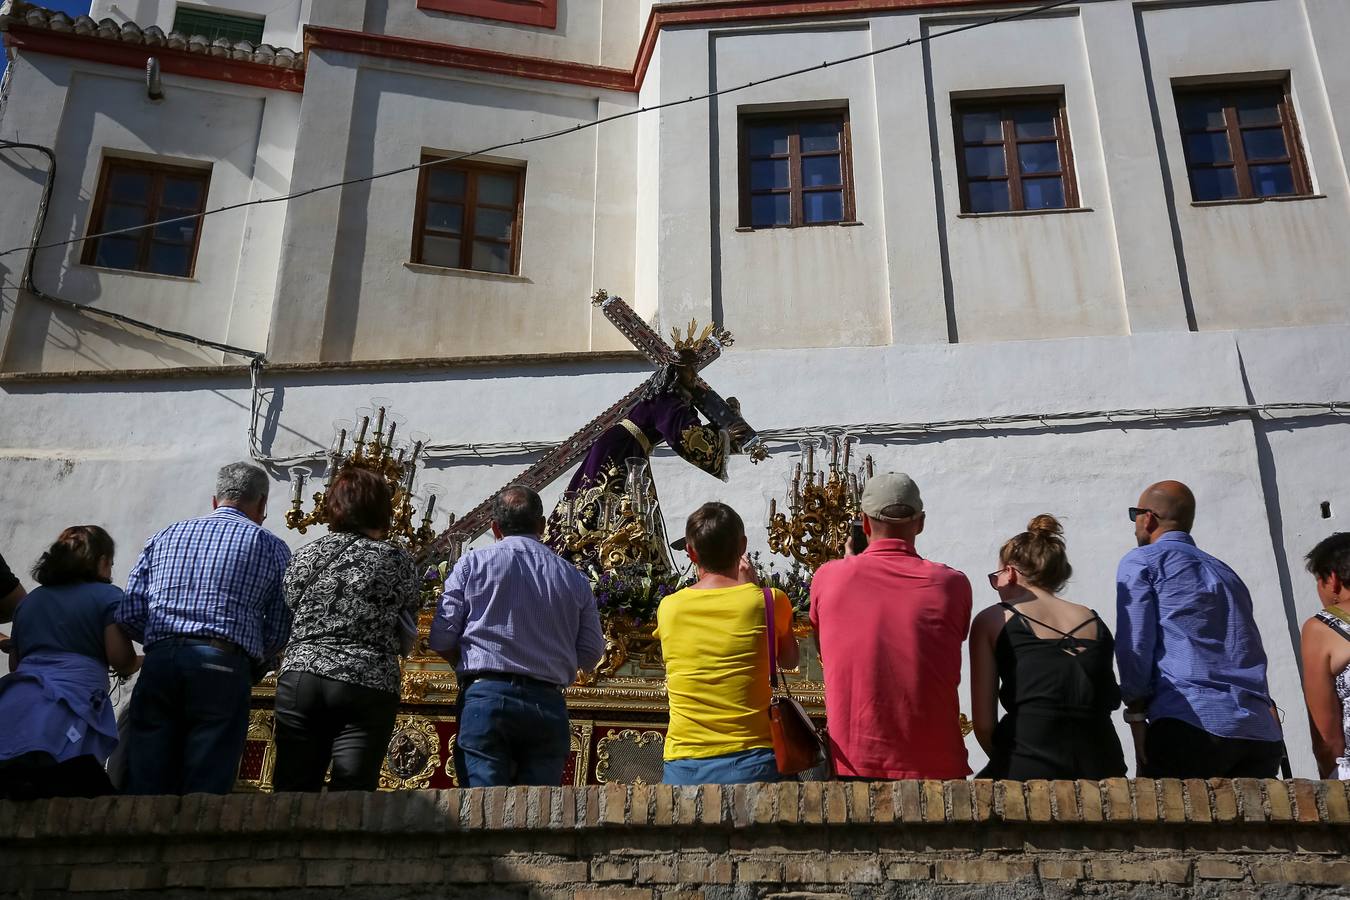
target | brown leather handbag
[{"x": 796, "y": 744}]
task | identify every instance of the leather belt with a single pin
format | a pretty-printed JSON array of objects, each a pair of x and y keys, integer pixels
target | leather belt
[
  {"x": 223, "y": 646},
  {"x": 638, "y": 436},
  {"x": 512, "y": 677}
]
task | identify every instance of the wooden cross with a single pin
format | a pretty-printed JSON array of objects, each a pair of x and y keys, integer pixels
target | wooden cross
[{"x": 562, "y": 457}]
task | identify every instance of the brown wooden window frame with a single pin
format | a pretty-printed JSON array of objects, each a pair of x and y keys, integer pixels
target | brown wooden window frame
[
  {"x": 158, "y": 173},
  {"x": 1006, "y": 107},
  {"x": 795, "y": 155},
  {"x": 466, "y": 236},
  {"x": 1229, "y": 95}
]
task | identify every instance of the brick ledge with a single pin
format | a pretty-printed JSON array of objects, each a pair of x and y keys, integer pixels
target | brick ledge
[{"x": 1115, "y": 801}]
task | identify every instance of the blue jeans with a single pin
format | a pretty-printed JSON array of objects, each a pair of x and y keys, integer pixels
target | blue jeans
[
  {"x": 744, "y": 767},
  {"x": 512, "y": 731},
  {"x": 189, "y": 720}
]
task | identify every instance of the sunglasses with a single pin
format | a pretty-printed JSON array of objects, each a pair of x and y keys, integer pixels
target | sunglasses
[
  {"x": 1136, "y": 512},
  {"x": 993, "y": 577}
]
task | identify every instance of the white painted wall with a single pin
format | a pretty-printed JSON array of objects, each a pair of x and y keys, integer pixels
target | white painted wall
[{"x": 134, "y": 456}]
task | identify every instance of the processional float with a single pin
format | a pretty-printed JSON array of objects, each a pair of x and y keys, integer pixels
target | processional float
[{"x": 618, "y": 715}]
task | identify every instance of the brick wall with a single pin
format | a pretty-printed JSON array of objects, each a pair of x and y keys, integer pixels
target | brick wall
[{"x": 625, "y": 842}]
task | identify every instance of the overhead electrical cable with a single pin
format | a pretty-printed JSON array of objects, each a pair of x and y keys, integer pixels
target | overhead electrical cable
[{"x": 549, "y": 135}]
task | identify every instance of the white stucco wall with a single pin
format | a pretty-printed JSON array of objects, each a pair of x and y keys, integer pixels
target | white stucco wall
[{"x": 134, "y": 456}]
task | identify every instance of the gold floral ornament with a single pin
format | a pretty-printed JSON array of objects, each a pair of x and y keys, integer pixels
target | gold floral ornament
[
  {"x": 687, "y": 343},
  {"x": 414, "y": 754},
  {"x": 629, "y": 756}
]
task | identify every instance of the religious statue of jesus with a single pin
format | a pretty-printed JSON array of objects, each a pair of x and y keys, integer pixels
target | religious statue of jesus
[{"x": 609, "y": 516}]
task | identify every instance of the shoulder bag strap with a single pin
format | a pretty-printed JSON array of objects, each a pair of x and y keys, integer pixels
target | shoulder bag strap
[
  {"x": 1336, "y": 620},
  {"x": 773, "y": 638},
  {"x": 324, "y": 568}
]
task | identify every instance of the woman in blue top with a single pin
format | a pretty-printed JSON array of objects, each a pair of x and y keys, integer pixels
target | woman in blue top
[{"x": 62, "y": 726}]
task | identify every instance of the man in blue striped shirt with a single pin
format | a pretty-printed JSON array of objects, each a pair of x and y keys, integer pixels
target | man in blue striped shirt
[
  {"x": 1191, "y": 661},
  {"x": 205, "y": 599},
  {"x": 517, "y": 621}
]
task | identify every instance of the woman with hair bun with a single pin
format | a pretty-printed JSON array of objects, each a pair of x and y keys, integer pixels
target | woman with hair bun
[
  {"x": 1050, "y": 663},
  {"x": 60, "y": 724}
]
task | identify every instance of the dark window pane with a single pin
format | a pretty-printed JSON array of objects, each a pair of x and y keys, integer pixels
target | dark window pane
[
  {"x": 1264, "y": 143},
  {"x": 1035, "y": 122},
  {"x": 497, "y": 189},
  {"x": 981, "y": 126},
  {"x": 1043, "y": 193},
  {"x": 494, "y": 223},
  {"x": 445, "y": 184},
  {"x": 117, "y": 252},
  {"x": 767, "y": 139},
  {"x": 823, "y": 206},
  {"x": 438, "y": 251},
  {"x": 1208, "y": 147},
  {"x": 1214, "y": 184},
  {"x": 1273, "y": 180},
  {"x": 1258, "y": 109},
  {"x": 819, "y": 136},
  {"x": 770, "y": 209},
  {"x": 445, "y": 217},
  {"x": 1033, "y": 158},
  {"x": 116, "y": 215},
  {"x": 171, "y": 259},
  {"x": 821, "y": 171},
  {"x": 129, "y": 184},
  {"x": 177, "y": 233},
  {"x": 491, "y": 257},
  {"x": 1200, "y": 111},
  {"x": 182, "y": 193},
  {"x": 988, "y": 196},
  {"x": 981, "y": 161},
  {"x": 769, "y": 173}
]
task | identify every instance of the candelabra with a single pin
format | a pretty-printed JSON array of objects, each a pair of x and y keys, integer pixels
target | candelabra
[
  {"x": 385, "y": 453},
  {"x": 821, "y": 505}
]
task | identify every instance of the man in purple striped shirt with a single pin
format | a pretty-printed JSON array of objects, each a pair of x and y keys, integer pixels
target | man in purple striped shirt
[{"x": 517, "y": 621}]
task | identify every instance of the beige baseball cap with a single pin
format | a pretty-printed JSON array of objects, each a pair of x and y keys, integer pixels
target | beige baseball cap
[{"x": 890, "y": 489}]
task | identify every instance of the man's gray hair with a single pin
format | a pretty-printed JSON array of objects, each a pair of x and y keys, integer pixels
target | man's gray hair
[{"x": 241, "y": 482}]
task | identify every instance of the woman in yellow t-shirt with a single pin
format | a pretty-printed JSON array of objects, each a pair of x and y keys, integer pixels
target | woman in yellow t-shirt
[{"x": 714, "y": 641}]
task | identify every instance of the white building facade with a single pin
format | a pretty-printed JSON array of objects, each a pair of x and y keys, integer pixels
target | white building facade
[{"x": 1119, "y": 223}]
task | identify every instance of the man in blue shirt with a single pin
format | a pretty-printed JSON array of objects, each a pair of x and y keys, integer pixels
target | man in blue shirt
[
  {"x": 205, "y": 599},
  {"x": 517, "y": 621},
  {"x": 1190, "y": 656}
]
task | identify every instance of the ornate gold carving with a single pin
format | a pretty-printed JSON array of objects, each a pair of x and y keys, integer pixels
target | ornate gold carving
[
  {"x": 261, "y": 727},
  {"x": 627, "y": 756},
  {"x": 581, "y": 743},
  {"x": 414, "y": 754}
]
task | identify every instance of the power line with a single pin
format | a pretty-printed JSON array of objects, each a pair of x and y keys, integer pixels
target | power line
[{"x": 582, "y": 126}]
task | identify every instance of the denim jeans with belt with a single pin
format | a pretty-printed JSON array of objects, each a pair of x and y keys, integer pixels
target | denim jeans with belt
[
  {"x": 189, "y": 718},
  {"x": 512, "y": 730}
]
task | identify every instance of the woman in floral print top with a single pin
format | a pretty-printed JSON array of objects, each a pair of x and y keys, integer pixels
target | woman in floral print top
[{"x": 338, "y": 689}]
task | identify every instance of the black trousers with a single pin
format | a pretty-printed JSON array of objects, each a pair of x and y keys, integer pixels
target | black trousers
[
  {"x": 321, "y": 721},
  {"x": 1178, "y": 749}
]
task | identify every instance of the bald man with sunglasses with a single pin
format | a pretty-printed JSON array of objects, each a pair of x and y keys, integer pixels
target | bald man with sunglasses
[{"x": 1192, "y": 666}]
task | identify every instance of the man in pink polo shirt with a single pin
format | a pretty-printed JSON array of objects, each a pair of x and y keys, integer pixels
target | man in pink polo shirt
[{"x": 891, "y": 626}]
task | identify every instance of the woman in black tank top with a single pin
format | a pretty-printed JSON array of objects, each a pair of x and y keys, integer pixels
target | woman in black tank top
[{"x": 1056, "y": 682}]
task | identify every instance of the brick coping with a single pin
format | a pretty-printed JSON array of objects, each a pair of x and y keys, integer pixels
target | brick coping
[{"x": 1115, "y": 801}]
